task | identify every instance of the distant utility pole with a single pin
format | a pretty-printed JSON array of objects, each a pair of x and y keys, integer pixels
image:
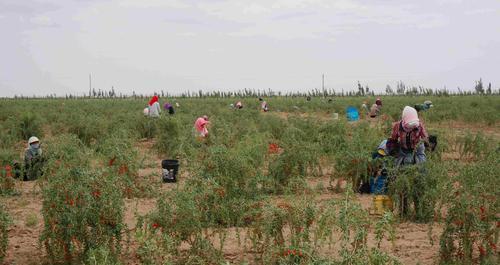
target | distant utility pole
[
  {"x": 323, "y": 82},
  {"x": 90, "y": 82}
]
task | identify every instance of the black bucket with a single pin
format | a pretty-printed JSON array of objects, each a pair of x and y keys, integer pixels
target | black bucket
[{"x": 170, "y": 169}]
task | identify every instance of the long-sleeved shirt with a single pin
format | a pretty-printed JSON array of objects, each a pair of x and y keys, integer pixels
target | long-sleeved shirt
[
  {"x": 408, "y": 140},
  {"x": 374, "y": 110},
  {"x": 155, "y": 110}
]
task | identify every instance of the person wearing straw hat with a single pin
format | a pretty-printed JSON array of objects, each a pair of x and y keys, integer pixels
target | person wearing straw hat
[{"x": 33, "y": 159}]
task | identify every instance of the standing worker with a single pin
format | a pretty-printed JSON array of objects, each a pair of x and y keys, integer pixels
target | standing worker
[
  {"x": 201, "y": 126},
  {"x": 33, "y": 160},
  {"x": 154, "y": 107}
]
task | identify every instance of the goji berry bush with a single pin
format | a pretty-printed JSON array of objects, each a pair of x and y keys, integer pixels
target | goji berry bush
[
  {"x": 257, "y": 176},
  {"x": 82, "y": 209}
]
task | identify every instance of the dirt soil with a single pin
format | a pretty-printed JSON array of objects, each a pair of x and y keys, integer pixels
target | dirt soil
[{"x": 412, "y": 244}]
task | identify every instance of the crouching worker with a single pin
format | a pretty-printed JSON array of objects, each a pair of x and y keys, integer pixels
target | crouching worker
[
  {"x": 374, "y": 110},
  {"x": 365, "y": 108},
  {"x": 154, "y": 107},
  {"x": 378, "y": 179},
  {"x": 423, "y": 107},
  {"x": 264, "y": 107},
  {"x": 33, "y": 160},
  {"x": 201, "y": 125},
  {"x": 409, "y": 135},
  {"x": 169, "y": 108},
  {"x": 238, "y": 105}
]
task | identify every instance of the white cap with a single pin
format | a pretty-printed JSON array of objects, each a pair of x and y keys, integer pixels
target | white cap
[{"x": 33, "y": 139}]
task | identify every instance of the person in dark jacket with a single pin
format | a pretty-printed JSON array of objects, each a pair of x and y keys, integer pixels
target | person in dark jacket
[{"x": 170, "y": 108}]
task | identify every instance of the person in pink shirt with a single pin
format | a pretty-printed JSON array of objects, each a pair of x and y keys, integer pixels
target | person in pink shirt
[
  {"x": 239, "y": 105},
  {"x": 201, "y": 126}
]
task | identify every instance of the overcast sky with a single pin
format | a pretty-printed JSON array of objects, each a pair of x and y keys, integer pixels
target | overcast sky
[{"x": 49, "y": 46}]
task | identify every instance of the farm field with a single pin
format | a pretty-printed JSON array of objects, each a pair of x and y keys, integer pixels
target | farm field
[{"x": 101, "y": 199}]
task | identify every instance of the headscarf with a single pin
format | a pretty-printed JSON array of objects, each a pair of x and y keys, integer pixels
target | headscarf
[
  {"x": 200, "y": 123},
  {"x": 167, "y": 106},
  {"x": 153, "y": 100},
  {"x": 263, "y": 105},
  {"x": 410, "y": 118},
  {"x": 378, "y": 102}
]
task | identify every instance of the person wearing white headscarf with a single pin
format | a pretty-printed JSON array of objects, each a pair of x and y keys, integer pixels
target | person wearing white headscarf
[{"x": 409, "y": 135}]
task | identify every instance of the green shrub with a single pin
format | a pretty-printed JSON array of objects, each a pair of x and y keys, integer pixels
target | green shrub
[
  {"x": 472, "y": 222},
  {"x": 25, "y": 126},
  {"x": 168, "y": 140},
  {"x": 82, "y": 209},
  {"x": 5, "y": 222},
  {"x": 147, "y": 127}
]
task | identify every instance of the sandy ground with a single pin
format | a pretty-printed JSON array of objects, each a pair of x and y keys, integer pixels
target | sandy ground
[{"x": 412, "y": 245}]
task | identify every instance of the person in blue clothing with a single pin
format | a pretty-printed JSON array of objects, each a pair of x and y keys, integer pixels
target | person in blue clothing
[{"x": 378, "y": 181}]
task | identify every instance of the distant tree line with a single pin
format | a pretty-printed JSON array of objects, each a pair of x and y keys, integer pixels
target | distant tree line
[{"x": 400, "y": 90}]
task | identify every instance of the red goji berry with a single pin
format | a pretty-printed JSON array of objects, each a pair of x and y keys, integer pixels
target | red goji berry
[
  {"x": 8, "y": 171},
  {"x": 492, "y": 246},
  {"x": 96, "y": 194},
  {"x": 482, "y": 252},
  {"x": 123, "y": 169},
  {"x": 483, "y": 212}
]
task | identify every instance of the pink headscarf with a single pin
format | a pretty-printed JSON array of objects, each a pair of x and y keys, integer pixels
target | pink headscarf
[
  {"x": 201, "y": 125},
  {"x": 410, "y": 118}
]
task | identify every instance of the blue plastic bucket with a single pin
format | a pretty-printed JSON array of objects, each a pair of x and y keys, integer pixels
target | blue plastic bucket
[{"x": 352, "y": 113}]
